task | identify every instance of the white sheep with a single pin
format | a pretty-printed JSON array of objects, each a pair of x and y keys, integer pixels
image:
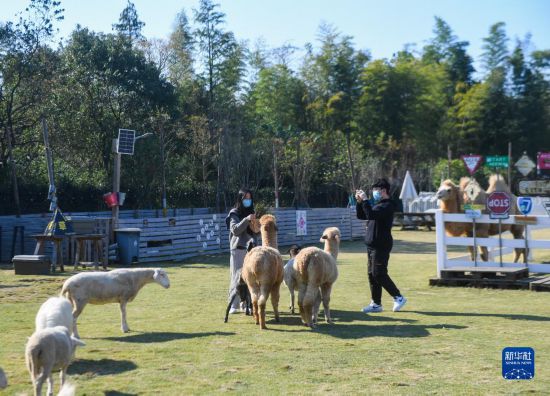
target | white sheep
[
  {"x": 48, "y": 350},
  {"x": 56, "y": 311},
  {"x": 289, "y": 275},
  {"x": 117, "y": 286},
  {"x": 3, "y": 379}
]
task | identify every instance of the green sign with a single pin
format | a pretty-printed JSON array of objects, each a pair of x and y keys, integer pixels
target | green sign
[{"x": 497, "y": 161}]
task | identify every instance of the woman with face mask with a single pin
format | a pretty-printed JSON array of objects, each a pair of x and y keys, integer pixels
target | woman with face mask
[
  {"x": 379, "y": 215},
  {"x": 240, "y": 235}
]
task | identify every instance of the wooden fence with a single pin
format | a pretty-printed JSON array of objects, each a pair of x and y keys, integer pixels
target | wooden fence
[{"x": 184, "y": 232}]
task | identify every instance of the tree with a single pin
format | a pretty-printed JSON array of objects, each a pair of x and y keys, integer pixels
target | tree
[
  {"x": 26, "y": 68},
  {"x": 495, "y": 48},
  {"x": 129, "y": 24}
]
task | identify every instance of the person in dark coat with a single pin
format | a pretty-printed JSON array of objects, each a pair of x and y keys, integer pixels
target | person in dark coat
[
  {"x": 379, "y": 215},
  {"x": 240, "y": 236}
]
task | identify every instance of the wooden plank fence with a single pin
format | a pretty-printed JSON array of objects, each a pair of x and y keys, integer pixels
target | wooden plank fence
[{"x": 189, "y": 232}]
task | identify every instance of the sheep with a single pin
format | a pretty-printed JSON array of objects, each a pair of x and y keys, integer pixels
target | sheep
[
  {"x": 316, "y": 272},
  {"x": 48, "y": 350},
  {"x": 56, "y": 311},
  {"x": 263, "y": 271},
  {"x": 121, "y": 285},
  {"x": 289, "y": 275},
  {"x": 3, "y": 379}
]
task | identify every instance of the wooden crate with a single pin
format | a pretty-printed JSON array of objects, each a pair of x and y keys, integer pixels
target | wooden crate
[
  {"x": 470, "y": 273},
  {"x": 31, "y": 265}
]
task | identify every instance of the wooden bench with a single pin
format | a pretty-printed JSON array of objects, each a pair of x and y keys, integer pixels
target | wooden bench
[{"x": 57, "y": 254}]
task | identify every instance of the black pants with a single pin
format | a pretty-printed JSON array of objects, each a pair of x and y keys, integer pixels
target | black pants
[{"x": 378, "y": 275}]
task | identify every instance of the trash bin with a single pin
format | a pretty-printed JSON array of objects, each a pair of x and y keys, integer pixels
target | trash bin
[{"x": 128, "y": 245}]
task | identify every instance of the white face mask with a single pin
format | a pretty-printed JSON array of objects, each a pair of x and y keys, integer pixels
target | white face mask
[{"x": 376, "y": 195}]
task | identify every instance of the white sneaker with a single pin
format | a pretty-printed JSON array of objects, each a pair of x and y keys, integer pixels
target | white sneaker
[
  {"x": 398, "y": 303},
  {"x": 372, "y": 308},
  {"x": 233, "y": 310}
]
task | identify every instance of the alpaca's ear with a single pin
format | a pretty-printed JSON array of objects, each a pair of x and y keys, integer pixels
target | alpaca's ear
[{"x": 324, "y": 237}]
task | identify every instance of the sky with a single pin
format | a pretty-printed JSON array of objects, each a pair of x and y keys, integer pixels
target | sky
[{"x": 383, "y": 27}]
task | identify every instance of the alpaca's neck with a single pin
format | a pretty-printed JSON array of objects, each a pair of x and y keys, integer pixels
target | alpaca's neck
[
  {"x": 451, "y": 205},
  {"x": 332, "y": 248},
  {"x": 269, "y": 239}
]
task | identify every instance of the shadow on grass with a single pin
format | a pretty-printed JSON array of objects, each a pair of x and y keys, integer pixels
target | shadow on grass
[
  {"x": 357, "y": 331},
  {"x": 413, "y": 247},
  {"x": 165, "y": 336},
  {"x": 101, "y": 366},
  {"x": 358, "y": 316},
  {"x": 117, "y": 393},
  {"x": 485, "y": 315},
  {"x": 13, "y": 286}
]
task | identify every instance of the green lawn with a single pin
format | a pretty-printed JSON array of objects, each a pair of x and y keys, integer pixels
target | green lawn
[{"x": 446, "y": 341}]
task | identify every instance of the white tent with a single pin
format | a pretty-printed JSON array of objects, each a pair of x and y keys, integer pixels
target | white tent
[{"x": 408, "y": 192}]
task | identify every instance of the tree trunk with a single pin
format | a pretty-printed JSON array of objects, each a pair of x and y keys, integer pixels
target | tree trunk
[
  {"x": 275, "y": 176},
  {"x": 350, "y": 159}
]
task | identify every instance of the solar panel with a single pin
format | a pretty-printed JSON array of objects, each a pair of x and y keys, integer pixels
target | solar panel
[{"x": 125, "y": 143}]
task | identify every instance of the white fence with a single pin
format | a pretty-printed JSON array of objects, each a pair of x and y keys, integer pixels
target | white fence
[{"x": 504, "y": 246}]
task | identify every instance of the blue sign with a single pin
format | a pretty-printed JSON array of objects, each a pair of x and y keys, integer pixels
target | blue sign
[
  {"x": 525, "y": 205},
  {"x": 518, "y": 363}
]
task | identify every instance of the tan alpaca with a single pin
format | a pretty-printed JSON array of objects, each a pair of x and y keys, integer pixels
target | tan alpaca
[
  {"x": 451, "y": 199},
  {"x": 316, "y": 272},
  {"x": 263, "y": 271}
]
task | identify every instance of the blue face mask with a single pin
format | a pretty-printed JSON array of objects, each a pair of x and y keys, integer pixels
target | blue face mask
[
  {"x": 247, "y": 203},
  {"x": 376, "y": 195}
]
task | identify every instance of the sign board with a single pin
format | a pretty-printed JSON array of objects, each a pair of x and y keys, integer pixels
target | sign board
[
  {"x": 525, "y": 205},
  {"x": 534, "y": 187},
  {"x": 498, "y": 205},
  {"x": 525, "y": 165},
  {"x": 472, "y": 162},
  {"x": 301, "y": 222},
  {"x": 547, "y": 207},
  {"x": 497, "y": 161},
  {"x": 472, "y": 211},
  {"x": 543, "y": 161},
  {"x": 125, "y": 141}
]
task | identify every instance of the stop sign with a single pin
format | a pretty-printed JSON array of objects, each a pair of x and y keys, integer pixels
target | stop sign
[{"x": 498, "y": 204}]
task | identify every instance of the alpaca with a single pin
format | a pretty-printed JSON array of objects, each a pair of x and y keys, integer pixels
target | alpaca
[
  {"x": 316, "y": 272},
  {"x": 290, "y": 274},
  {"x": 263, "y": 271},
  {"x": 451, "y": 198}
]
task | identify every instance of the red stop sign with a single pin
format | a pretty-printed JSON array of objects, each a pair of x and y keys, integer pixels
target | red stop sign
[{"x": 498, "y": 203}]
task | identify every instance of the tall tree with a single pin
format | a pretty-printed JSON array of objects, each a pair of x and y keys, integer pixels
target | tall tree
[{"x": 129, "y": 24}]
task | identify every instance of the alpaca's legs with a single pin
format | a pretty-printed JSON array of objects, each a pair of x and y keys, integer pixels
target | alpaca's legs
[
  {"x": 77, "y": 310},
  {"x": 292, "y": 300},
  {"x": 254, "y": 296},
  {"x": 301, "y": 294},
  {"x": 124, "y": 323},
  {"x": 325, "y": 292},
  {"x": 308, "y": 303},
  {"x": 262, "y": 301},
  {"x": 316, "y": 306},
  {"x": 275, "y": 295}
]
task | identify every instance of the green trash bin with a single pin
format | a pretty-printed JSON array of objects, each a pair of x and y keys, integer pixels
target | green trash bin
[{"x": 128, "y": 245}]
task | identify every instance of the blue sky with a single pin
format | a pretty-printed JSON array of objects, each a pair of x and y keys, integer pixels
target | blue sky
[{"x": 383, "y": 27}]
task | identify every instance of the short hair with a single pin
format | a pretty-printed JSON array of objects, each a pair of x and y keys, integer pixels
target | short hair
[{"x": 382, "y": 184}]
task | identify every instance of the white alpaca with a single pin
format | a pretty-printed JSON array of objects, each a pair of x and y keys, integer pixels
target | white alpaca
[
  {"x": 117, "y": 286},
  {"x": 289, "y": 276}
]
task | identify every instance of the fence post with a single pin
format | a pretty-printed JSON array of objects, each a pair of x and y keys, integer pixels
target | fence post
[{"x": 441, "y": 247}]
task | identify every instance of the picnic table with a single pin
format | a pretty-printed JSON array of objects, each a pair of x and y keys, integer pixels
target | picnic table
[{"x": 413, "y": 220}]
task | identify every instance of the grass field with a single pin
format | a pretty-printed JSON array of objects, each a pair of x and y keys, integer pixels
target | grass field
[{"x": 446, "y": 341}]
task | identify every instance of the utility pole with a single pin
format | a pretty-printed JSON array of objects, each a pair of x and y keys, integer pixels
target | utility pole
[
  {"x": 116, "y": 185},
  {"x": 510, "y": 164}
]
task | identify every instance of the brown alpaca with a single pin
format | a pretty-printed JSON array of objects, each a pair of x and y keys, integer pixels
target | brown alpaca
[
  {"x": 451, "y": 199},
  {"x": 316, "y": 272},
  {"x": 263, "y": 271}
]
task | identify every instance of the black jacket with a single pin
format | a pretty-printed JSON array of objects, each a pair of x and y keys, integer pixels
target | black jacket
[{"x": 379, "y": 222}]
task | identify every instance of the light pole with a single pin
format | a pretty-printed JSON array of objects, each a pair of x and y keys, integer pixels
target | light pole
[{"x": 118, "y": 151}]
